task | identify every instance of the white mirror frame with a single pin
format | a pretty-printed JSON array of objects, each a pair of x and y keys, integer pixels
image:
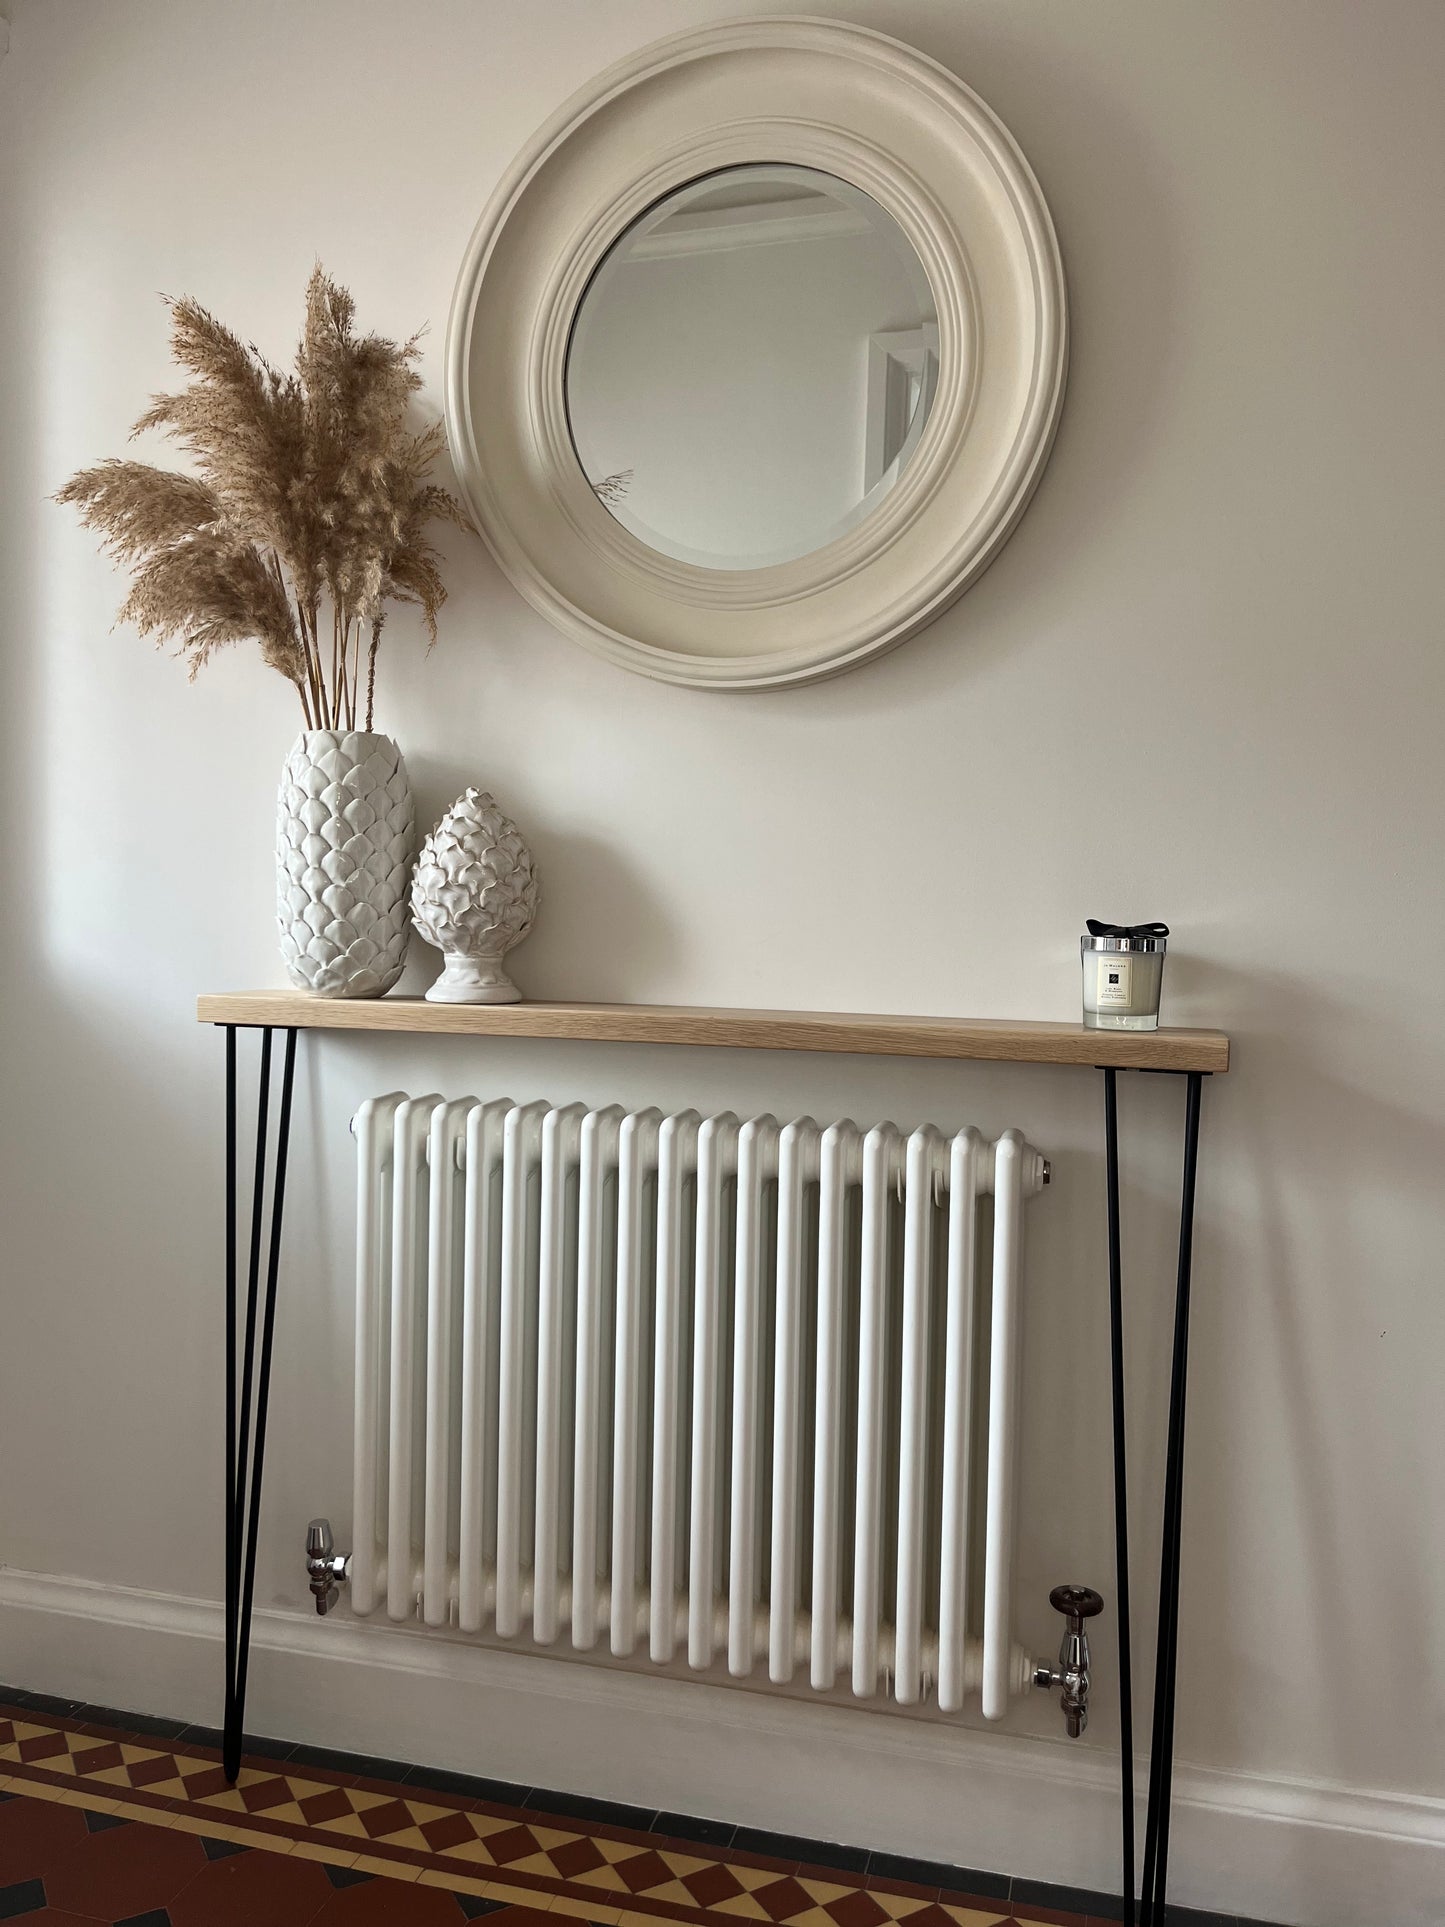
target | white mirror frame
[{"x": 819, "y": 94}]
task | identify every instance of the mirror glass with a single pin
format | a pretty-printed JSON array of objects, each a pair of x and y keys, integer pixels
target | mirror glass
[{"x": 751, "y": 367}]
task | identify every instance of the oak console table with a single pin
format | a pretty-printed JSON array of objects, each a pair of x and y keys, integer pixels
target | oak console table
[{"x": 1192, "y": 1054}]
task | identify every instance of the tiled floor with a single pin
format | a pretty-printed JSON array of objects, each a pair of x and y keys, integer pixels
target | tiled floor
[{"x": 107, "y": 1818}]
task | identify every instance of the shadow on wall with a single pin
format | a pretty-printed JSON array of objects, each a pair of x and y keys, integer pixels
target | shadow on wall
[
  {"x": 97, "y": 1104},
  {"x": 601, "y": 934},
  {"x": 1364, "y": 1622}
]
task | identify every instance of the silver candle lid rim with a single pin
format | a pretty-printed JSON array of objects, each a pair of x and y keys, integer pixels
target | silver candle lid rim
[{"x": 1136, "y": 944}]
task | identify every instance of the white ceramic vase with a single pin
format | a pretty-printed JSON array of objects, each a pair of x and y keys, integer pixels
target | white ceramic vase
[
  {"x": 344, "y": 838},
  {"x": 474, "y": 896}
]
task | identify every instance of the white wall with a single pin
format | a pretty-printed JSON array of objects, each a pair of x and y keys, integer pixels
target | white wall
[{"x": 1203, "y": 682}]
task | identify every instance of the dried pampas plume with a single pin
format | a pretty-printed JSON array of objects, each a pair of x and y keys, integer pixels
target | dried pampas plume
[
  {"x": 613, "y": 488},
  {"x": 308, "y": 512}
]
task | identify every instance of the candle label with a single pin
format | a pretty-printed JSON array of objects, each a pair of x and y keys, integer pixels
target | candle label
[{"x": 1115, "y": 971}]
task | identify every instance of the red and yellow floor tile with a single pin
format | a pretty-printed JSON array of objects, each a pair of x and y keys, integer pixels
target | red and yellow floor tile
[{"x": 103, "y": 1825}]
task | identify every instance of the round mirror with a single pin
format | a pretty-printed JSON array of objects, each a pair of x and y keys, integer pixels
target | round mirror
[
  {"x": 717, "y": 393},
  {"x": 751, "y": 367}
]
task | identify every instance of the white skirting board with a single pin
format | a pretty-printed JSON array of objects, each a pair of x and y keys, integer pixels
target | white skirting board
[{"x": 1273, "y": 1849}]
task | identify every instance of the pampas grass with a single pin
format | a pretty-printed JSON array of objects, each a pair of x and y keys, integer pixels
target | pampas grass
[{"x": 307, "y": 514}]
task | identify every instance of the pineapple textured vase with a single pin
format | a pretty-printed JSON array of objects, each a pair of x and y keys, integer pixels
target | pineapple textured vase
[
  {"x": 344, "y": 839},
  {"x": 474, "y": 896}
]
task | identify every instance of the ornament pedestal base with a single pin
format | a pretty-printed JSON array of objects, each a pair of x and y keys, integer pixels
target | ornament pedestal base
[{"x": 474, "y": 980}]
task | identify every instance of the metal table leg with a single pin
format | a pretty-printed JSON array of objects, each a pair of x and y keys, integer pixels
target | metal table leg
[
  {"x": 1121, "y": 1489},
  {"x": 1161, "y": 1753},
  {"x": 246, "y": 1404}
]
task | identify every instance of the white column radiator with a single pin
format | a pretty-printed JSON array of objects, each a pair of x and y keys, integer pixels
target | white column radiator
[{"x": 734, "y": 1397}]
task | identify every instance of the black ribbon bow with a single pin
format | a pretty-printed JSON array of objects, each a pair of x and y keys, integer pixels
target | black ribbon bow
[{"x": 1097, "y": 929}]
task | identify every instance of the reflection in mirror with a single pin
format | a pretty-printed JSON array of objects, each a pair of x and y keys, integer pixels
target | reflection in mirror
[{"x": 752, "y": 366}]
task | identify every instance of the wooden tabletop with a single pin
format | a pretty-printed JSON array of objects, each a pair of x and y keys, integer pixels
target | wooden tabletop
[{"x": 989, "y": 1039}]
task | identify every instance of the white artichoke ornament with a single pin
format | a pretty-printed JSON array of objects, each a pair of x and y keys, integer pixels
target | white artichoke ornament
[{"x": 474, "y": 895}]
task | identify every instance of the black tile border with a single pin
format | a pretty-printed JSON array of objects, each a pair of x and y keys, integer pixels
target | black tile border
[
  {"x": 142, "y": 1723},
  {"x": 210, "y": 1736},
  {"x": 583, "y": 1806},
  {"x": 1074, "y": 1900},
  {"x": 64, "y": 1709},
  {"x": 791, "y": 1846},
  {"x": 686, "y": 1829},
  {"x": 467, "y": 1786},
  {"x": 697, "y": 1832},
  {"x": 939, "y": 1874},
  {"x": 364, "y": 1766}
]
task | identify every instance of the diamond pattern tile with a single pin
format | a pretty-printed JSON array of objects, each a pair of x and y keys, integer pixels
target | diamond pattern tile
[
  {"x": 512, "y": 1843},
  {"x": 148, "y": 1832},
  {"x": 318, "y": 1808},
  {"x": 448, "y": 1830},
  {"x": 858, "y": 1909},
  {"x": 576, "y": 1858},
  {"x": 712, "y": 1884}
]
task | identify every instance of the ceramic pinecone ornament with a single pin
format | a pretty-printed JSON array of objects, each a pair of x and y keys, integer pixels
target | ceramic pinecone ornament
[
  {"x": 474, "y": 895},
  {"x": 344, "y": 837}
]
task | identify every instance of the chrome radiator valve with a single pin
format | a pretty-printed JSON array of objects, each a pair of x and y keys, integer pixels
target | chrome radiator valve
[
  {"x": 325, "y": 1567},
  {"x": 1077, "y": 1603}
]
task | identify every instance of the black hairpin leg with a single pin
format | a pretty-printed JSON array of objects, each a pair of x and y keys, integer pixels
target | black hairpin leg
[
  {"x": 1161, "y": 1754},
  {"x": 1121, "y": 1490},
  {"x": 246, "y": 1404}
]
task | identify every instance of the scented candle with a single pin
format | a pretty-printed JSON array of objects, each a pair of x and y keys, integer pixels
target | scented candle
[{"x": 1123, "y": 974}]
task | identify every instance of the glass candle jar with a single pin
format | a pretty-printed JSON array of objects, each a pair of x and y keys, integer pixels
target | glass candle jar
[{"x": 1123, "y": 975}]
